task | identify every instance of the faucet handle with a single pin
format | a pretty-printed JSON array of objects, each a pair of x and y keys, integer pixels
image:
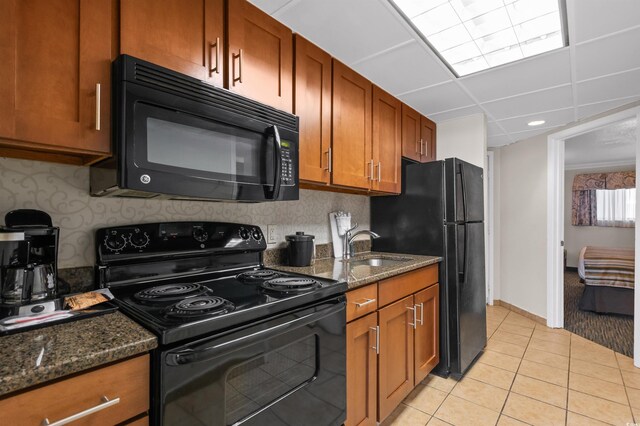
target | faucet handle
[{"x": 351, "y": 229}]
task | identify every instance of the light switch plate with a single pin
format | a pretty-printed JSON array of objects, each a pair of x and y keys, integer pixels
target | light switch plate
[{"x": 273, "y": 231}]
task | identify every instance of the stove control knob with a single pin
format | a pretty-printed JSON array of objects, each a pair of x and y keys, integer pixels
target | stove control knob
[
  {"x": 115, "y": 242},
  {"x": 244, "y": 234},
  {"x": 139, "y": 239},
  {"x": 256, "y": 234},
  {"x": 200, "y": 235}
]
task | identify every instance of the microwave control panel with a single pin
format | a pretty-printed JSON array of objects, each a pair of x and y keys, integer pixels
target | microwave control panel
[{"x": 288, "y": 169}]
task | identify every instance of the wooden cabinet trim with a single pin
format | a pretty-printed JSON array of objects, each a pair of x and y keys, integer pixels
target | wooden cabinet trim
[
  {"x": 362, "y": 301},
  {"x": 395, "y": 288}
]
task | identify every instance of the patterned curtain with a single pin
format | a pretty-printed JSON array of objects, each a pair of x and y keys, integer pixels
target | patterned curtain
[{"x": 583, "y": 205}]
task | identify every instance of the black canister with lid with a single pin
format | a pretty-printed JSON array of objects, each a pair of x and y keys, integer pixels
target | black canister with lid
[{"x": 300, "y": 249}]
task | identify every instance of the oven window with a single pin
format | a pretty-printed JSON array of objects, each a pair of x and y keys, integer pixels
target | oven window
[
  {"x": 256, "y": 383},
  {"x": 234, "y": 152}
]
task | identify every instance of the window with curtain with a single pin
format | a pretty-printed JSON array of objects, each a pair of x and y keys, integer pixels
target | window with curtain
[{"x": 616, "y": 207}]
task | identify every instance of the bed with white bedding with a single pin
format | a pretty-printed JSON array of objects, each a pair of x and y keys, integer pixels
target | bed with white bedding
[{"x": 609, "y": 276}]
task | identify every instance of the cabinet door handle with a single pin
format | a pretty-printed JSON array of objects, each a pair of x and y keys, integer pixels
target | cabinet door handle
[
  {"x": 239, "y": 57},
  {"x": 420, "y": 146},
  {"x": 426, "y": 148},
  {"x": 415, "y": 320},
  {"x": 98, "y": 106},
  {"x": 215, "y": 69},
  {"x": 365, "y": 303},
  {"x": 421, "y": 320},
  {"x": 379, "y": 171},
  {"x": 106, "y": 403},
  {"x": 370, "y": 176},
  {"x": 377, "y": 346},
  {"x": 329, "y": 161},
  {"x": 417, "y": 146}
]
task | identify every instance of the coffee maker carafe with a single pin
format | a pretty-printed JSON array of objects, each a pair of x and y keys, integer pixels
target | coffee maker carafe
[{"x": 28, "y": 258}]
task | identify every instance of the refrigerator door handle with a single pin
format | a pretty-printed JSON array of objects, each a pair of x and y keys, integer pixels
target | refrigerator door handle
[
  {"x": 464, "y": 193},
  {"x": 465, "y": 253}
]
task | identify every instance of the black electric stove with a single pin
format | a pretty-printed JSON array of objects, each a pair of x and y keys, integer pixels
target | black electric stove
[{"x": 202, "y": 288}]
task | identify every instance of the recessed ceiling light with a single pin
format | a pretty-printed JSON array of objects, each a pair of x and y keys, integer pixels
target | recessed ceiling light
[
  {"x": 473, "y": 35},
  {"x": 536, "y": 122}
]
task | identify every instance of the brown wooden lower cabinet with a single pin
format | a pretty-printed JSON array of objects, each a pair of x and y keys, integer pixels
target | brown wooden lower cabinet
[
  {"x": 362, "y": 370},
  {"x": 398, "y": 344}
]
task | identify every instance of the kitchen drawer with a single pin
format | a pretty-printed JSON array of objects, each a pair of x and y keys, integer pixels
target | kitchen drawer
[
  {"x": 362, "y": 301},
  {"x": 126, "y": 380},
  {"x": 403, "y": 285}
]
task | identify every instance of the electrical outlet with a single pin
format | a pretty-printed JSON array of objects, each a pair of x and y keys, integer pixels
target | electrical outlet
[{"x": 273, "y": 232}]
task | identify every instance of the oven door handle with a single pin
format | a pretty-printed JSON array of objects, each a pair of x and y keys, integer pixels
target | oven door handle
[
  {"x": 277, "y": 182},
  {"x": 239, "y": 340}
]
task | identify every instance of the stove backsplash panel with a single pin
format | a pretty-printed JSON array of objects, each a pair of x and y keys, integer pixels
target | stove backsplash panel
[{"x": 63, "y": 192}]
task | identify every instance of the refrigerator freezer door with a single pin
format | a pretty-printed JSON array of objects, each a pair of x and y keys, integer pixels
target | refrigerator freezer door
[{"x": 465, "y": 192}]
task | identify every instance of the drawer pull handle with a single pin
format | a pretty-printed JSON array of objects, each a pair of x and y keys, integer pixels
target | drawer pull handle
[
  {"x": 377, "y": 346},
  {"x": 106, "y": 403},
  {"x": 365, "y": 303},
  {"x": 414, "y": 324}
]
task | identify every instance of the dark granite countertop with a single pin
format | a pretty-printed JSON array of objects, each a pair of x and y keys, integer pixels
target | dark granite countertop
[
  {"x": 358, "y": 275},
  {"x": 37, "y": 356}
]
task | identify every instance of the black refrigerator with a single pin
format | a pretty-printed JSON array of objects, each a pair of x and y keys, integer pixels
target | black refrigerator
[{"x": 440, "y": 212}]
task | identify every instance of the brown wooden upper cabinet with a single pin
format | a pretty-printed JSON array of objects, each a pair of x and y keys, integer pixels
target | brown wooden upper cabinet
[
  {"x": 353, "y": 163},
  {"x": 312, "y": 103},
  {"x": 183, "y": 35},
  {"x": 260, "y": 56},
  {"x": 55, "y": 79},
  {"x": 418, "y": 136},
  {"x": 387, "y": 142}
]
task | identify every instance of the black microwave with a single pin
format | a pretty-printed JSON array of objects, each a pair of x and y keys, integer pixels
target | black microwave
[{"x": 175, "y": 137}]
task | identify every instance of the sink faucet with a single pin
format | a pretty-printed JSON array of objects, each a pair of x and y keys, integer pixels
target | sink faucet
[{"x": 347, "y": 242}]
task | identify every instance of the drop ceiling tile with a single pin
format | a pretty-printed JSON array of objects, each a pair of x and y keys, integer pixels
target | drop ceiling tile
[
  {"x": 270, "y": 6},
  {"x": 520, "y": 136},
  {"x": 595, "y": 18},
  {"x": 349, "y": 30},
  {"x": 546, "y": 100},
  {"x": 493, "y": 129},
  {"x": 438, "y": 98},
  {"x": 498, "y": 140},
  {"x": 608, "y": 88},
  {"x": 585, "y": 111},
  {"x": 551, "y": 118},
  {"x": 456, "y": 113},
  {"x": 403, "y": 69},
  {"x": 608, "y": 55},
  {"x": 536, "y": 73}
]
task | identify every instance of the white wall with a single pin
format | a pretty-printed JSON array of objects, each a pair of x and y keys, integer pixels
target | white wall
[
  {"x": 464, "y": 138},
  {"x": 523, "y": 223},
  {"x": 576, "y": 237}
]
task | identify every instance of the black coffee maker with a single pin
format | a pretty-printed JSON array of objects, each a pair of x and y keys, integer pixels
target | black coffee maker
[{"x": 28, "y": 258}]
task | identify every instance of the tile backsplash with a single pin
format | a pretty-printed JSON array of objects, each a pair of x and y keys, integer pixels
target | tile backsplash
[{"x": 63, "y": 192}]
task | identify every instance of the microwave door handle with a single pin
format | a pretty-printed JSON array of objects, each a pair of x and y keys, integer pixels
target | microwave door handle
[{"x": 278, "y": 168}]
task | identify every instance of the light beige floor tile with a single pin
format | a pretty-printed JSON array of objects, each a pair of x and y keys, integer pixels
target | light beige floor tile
[
  {"x": 507, "y": 337},
  {"x": 636, "y": 414},
  {"x": 626, "y": 363},
  {"x": 516, "y": 329},
  {"x": 596, "y": 354},
  {"x": 508, "y": 421},
  {"x": 598, "y": 371},
  {"x": 634, "y": 398},
  {"x": 481, "y": 393},
  {"x": 437, "y": 422},
  {"x": 425, "y": 399},
  {"x": 547, "y": 358},
  {"x": 458, "y": 411},
  {"x": 519, "y": 320},
  {"x": 491, "y": 375},
  {"x": 406, "y": 416},
  {"x": 541, "y": 391},
  {"x": 599, "y": 409},
  {"x": 631, "y": 379},
  {"x": 551, "y": 337},
  {"x": 497, "y": 359},
  {"x": 597, "y": 387},
  {"x": 445, "y": 385},
  {"x": 533, "y": 411},
  {"x": 574, "y": 419},
  {"x": 556, "y": 376},
  {"x": 506, "y": 348},
  {"x": 555, "y": 348},
  {"x": 546, "y": 329}
]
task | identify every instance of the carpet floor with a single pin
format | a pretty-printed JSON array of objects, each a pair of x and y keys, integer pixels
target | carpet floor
[{"x": 612, "y": 331}]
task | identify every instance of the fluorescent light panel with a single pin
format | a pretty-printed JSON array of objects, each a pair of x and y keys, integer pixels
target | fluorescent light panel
[{"x": 473, "y": 35}]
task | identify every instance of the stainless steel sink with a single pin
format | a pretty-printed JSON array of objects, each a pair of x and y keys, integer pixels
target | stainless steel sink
[{"x": 377, "y": 261}]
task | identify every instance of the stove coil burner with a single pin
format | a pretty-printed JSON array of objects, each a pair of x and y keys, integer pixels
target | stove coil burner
[
  {"x": 291, "y": 285},
  {"x": 200, "y": 306},
  {"x": 258, "y": 276},
  {"x": 170, "y": 293}
]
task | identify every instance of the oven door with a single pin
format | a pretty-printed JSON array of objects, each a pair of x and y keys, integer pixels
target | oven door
[
  {"x": 284, "y": 371},
  {"x": 177, "y": 146}
]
